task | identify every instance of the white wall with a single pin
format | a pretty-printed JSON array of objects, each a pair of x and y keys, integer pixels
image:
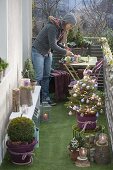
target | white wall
[
  {"x": 27, "y": 28},
  {"x": 3, "y": 28},
  {"x": 12, "y": 14}
]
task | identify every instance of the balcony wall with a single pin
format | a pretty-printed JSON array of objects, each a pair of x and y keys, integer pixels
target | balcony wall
[
  {"x": 12, "y": 43},
  {"x": 108, "y": 83}
]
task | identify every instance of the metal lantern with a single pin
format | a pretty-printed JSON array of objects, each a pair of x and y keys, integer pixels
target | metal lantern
[{"x": 45, "y": 111}]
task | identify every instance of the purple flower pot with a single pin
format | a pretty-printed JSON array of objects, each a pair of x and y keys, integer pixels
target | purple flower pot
[
  {"x": 21, "y": 154},
  {"x": 86, "y": 122}
]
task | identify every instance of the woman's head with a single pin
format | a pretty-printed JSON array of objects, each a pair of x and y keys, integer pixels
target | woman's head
[{"x": 69, "y": 20}]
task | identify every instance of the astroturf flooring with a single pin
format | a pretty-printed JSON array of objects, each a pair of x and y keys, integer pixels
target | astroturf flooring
[{"x": 55, "y": 135}]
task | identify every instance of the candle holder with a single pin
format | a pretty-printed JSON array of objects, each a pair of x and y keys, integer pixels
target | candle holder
[
  {"x": 45, "y": 116},
  {"x": 88, "y": 58},
  {"x": 24, "y": 109},
  {"x": 102, "y": 150},
  {"x": 83, "y": 153},
  {"x": 82, "y": 160},
  {"x": 45, "y": 111},
  {"x": 103, "y": 139}
]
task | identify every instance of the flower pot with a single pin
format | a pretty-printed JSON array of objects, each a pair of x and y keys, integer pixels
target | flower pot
[
  {"x": 1, "y": 76},
  {"x": 73, "y": 154},
  {"x": 86, "y": 122},
  {"x": 21, "y": 153}
]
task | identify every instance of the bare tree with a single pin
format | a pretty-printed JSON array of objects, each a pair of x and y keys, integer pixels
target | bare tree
[
  {"x": 47, "y": 7},
  {"x": 42, "y": 9},
  {"x": 94, "y": 16}
]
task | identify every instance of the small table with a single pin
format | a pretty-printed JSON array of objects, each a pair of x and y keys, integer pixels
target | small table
[
  {"x": 91, "y": 61},
  {"x": 85, "y": 62}
]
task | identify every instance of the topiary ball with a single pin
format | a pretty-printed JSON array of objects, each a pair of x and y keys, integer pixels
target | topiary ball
[{"x": 21, "y": 129}]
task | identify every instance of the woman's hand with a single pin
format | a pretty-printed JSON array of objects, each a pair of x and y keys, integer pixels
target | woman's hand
[{"x": 69, "y": 53}]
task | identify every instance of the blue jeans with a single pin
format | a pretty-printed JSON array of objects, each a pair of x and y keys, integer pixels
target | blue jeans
[{"x": 42, "y": 66}]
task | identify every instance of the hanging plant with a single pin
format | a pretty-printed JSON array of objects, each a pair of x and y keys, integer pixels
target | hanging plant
[{"x": 3, "y": 64}]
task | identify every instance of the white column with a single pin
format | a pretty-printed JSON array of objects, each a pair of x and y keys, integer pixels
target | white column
[
  {"x": 27, "y": 28},
  {"x": 3, "y": 29}
]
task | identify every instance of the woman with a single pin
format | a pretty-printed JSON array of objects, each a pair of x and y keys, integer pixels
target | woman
[{"x": 47, "y": 40}]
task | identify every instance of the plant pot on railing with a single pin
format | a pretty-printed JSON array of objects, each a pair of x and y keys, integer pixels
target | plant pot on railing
[
  {"x": 1, "y": 74},
  {"x": 3, "y": 66}
]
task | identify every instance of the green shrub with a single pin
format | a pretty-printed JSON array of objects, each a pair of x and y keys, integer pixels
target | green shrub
[
  {"x": 70, "y": 36},
  {"x": 108, "y": 33},
  {"x": 3, "y": 64},
  {"x": 79, "y": 38},
  {"x": 1, "y": 69},
  {"x": 28, "y": 71},
  {"x": 21, "y": 129}
]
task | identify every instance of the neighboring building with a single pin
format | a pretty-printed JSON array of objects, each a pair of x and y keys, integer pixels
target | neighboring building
[{"x": 15, "y": 47}]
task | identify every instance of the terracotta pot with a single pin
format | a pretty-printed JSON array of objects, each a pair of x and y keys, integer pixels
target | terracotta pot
[
  {"x": 73, "y": 154},
  {"x": 21, "y": 153},
  {"x": 86, "y": 122}
]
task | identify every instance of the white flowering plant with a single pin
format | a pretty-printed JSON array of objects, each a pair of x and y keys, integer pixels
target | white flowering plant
[
  {"x": 74, "y": 144},
  {"x": 77, "y": 142}
]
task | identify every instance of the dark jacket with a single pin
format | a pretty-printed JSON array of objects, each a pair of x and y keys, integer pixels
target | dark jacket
[{"x": 47, "y": 39}]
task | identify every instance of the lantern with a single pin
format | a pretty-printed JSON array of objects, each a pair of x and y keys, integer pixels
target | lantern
[
  {"x": 45, "y": 111},
  {"x": 83, "y": 153},
  {"x": 103, "y": 139}
]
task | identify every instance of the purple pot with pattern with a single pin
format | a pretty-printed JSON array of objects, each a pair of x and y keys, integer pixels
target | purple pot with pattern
[
  {"x": 86, "y": 122},
  {"x": 21, "y": 154}
]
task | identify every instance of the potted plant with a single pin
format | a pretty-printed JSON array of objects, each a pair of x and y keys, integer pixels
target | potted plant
[
  {"x": 28, "y": 72},
  {"x": 1, "y": 73},
  {"x": 78, "y": 43},
  {"x": 79, "y": 38},
  {"x": 86, "y": 101},
  {"x": 74, "y": 145},
  {"x": 4, "y": 65},
  {"x": 21, "y": 140}
]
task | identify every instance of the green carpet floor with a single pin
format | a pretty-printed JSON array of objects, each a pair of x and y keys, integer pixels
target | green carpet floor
[{"x": 52, "y": 153}]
